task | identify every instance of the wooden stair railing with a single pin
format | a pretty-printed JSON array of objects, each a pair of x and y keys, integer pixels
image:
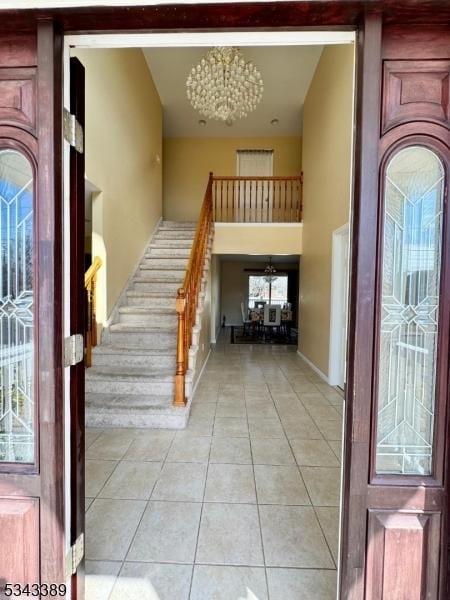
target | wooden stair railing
[
  {"x": 90, "y": 286},
  {"x": 257, "y": 199},
  {"x": 187, "y": 296}
]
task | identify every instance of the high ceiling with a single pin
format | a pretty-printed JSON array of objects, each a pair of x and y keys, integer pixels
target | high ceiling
[{"x": 286, "y": 71}]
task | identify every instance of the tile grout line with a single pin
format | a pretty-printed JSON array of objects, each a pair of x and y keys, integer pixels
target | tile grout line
[
  {"x": 147, "y": 503},
  {"x": 216, "y": 564},
  {"x": 140, "y": 520},
  {"x": 202, "y": 505},
  {"x": 118, "y": 461},
  {"x": 340, "y": 467},
  {"x": 304, "y": 483},
  {"x": 257, "y": 503},
  {"x": 323, "y": 533}
]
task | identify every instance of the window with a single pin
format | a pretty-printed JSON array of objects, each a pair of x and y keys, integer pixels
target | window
[
  {"x": 414, "y": 189},
  {"x": 258, "y": 290},
  {"x": 251, "y": 163},
  {"x": 16, "y": 309}
]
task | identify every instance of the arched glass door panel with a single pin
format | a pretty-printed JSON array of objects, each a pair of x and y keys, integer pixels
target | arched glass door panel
[
  {"x": 16, "y": 309},
  {"x": 410, "y": 283}
]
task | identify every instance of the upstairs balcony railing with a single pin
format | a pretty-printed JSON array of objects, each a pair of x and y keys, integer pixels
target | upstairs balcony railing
[{"x": 257, "y": 199}]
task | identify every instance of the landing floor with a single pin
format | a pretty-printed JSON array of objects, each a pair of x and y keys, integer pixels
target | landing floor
[{"x": 242, "y": 505}]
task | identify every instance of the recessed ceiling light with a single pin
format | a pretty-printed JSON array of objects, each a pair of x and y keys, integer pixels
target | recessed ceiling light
[
  {"x": 274, "y": 122},
  {"x": 202, "y": 122}
]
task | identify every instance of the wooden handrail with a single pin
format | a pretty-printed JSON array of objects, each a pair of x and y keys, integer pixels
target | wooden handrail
[
  {"x": 92, "y": 271},
  {"x": 90, "y": 286},
  {"x": 187, "y": 296},
  {"x": 256, "y": 178},
  {"x": 257, "y": 199}
]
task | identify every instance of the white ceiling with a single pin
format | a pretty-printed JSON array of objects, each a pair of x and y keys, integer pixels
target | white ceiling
[{"x": 286, "y": 71}]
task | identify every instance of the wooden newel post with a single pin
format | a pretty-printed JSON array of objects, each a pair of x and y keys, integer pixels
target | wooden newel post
[{"x": 180, "y": 394}]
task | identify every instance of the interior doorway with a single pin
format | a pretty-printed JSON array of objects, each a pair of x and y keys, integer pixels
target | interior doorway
[{"x": 291, "y": 423}]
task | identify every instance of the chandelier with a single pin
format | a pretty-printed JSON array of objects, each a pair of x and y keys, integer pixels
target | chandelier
[
  {"x": 270, "y": 272},
  {"x": 223, "y": 86}
]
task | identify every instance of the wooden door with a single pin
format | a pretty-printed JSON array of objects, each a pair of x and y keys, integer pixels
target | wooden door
[
  {"x": 32, "y": 518},
  {"x": 77, "y": 320},
  {"x": 395, "y": 532}
]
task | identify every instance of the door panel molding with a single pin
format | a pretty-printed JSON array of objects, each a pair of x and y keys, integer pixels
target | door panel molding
[
  {"x": 19, "y": 524},
  {"x": 17, "y": 96},
  {"x": 415, "y": 90},
  {"x": 396, "y": 539}
]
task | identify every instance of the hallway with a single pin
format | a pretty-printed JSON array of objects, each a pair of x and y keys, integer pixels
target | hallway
[{"x": 241, "y": 505}]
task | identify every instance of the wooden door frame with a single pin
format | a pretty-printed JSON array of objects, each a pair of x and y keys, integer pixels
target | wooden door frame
[
  {"x": 360, "y": 333},
  {"x": 364, "y": 16},
  {"x": 290, "y": 14},
  {"x": 51, "y": 355}
]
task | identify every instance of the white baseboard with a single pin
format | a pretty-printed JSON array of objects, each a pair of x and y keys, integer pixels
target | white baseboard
[
  {"x": 216, "y": 334},
  {"x": 198, "y": 322},
  {"x": 313, "y": 367},
  {"x": 197, "y": 381}
]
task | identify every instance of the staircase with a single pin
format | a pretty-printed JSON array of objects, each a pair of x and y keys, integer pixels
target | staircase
[{"x": 131, "y": 381}]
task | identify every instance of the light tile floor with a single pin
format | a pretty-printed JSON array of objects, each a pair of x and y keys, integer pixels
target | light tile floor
[{"x": 242, "y": 505}]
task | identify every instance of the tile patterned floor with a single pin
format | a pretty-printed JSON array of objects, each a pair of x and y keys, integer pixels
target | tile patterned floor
[{"x": 242, "y": 505}]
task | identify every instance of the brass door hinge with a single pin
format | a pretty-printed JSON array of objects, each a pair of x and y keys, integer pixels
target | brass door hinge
[
  {"x": 73, "y": 350},
  {"x": 73, "y": 132},
  {"x": 75, "y": 556}
]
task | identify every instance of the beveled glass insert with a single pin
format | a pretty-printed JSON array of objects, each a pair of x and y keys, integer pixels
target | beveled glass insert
[
  {"x": 414, "y": 189},
  {"x": 16, "y": 309}
]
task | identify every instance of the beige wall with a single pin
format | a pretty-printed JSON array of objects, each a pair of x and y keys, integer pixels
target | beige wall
[
  {"x": 327, "y": 150},
  {"x": 188, "y": 161},
  {"x": 247, "y": 238},
  {"x": 123, "y": 160},
  {"x": 234, "y": 286}
]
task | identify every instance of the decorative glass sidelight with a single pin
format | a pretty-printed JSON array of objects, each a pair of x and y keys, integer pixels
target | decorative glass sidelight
[
  {"x": 414, "y": 191},
  {"x": 16, "y": 309}
]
